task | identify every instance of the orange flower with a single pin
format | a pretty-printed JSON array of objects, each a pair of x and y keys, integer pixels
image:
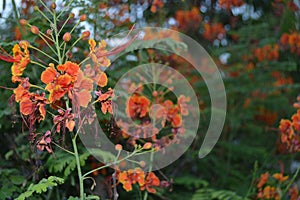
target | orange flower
[
  {"x": 82, "y": 90},
  {"x": 137, "y": 106},
  {"x": 132, "y": 176},
  {"x": 156, "y": 4},
  {"x": 267, "y": 52},
  {"x": 227, "y": 4},
  {"x": 294, "y": 193},
  {"x": 105, "y": 101},
  {"x": 21, "y": 58},
  {"x": 296, "y": 120},
  {"x": 59, "y": 84},
  {"x": 270, "y": 193},
  {"x": 98, "y": 54},
  {"x": 65, "y": 119},
  {"x": 95, "y": 73},
  {"x": 213, "y": 31},
  {"x": 188, "y": 19},
  {"x": 280, "y": 177},
  {"x": 263, "y": 180},
  {"x": 151, "y": 181},
  {"x": 34, "y": 106}
]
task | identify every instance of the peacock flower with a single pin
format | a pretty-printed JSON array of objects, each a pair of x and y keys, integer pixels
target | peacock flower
[
  {"x": 58, "y": 84},
  {"x": 21, "y": 59}
]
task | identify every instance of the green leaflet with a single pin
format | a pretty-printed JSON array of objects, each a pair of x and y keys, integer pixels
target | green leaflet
[{"x": 41, "y": 187}]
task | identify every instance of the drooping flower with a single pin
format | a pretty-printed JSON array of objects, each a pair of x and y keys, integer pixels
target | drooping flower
[
  {"x": 105, "y": 101},
  {"x": 44, "y": 142},
  {"x": 64, "y": 120}
]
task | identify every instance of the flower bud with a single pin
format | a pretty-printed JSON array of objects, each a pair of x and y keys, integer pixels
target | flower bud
[
  {"x": 23, "y": 22},
  {"x": 118, "y": 147},
  {"x": 49, "y": 32},
  {"x": 142, "y": 163},
  {"x": 34, "y": 30},
  {"x": 71, "y": 15},
  {"x": 154, "y": 93},
  {"x": 147, "y": 145},
  {"x": 85, "y": 35},
  {"x": 82, "y": 17},
  {"x": 67, "y": 37},
  {"x": 35, "y": 8},
  {"x": 53, "y": 6}
]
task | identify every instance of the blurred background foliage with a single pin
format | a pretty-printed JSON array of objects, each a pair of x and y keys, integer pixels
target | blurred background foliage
[{"x": 261, "y": 77}]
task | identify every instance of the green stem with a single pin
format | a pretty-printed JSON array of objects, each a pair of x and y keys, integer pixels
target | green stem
[
  {"x": 36, "y": 86},
  {"x": 291, "y": 182},
  {"x": 39, "y": 64},
  {"x": 63, "y": 148},
  {"x": 56, "y": 38},
  {"x": 32, "y": 47},
  {"x": 150, "y": 169},
  {"x": 78, "y": 169},
  {"x": 113, "y": 163},
  {"x": 17, "y": 16}
]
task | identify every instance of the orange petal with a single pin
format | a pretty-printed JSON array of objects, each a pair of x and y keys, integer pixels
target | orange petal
[
  {"x": 26, "y": 107},
  {"x": 102, "y": 80},
  {"x": 70, "y": 125},
  {"x": 64, "y": 80},
  {"x": 72, "y": 68},
  {"x": 48, "y": 75},
  {"x": 84, "y": 97}
]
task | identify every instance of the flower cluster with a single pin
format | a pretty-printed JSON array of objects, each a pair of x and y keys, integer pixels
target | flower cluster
[
  {"x": 272, "y": 187},
  {"x": 146, "y": 181},
  {"x": 188, "y": 20},
  {"x": 289, "y": 133},
  {"x": 267, "y": 52},
  {"x": 228, "y": 4},
  {"x": 156, "y": 4},
  {"x": 291, "y": 41},
  {"x": 213, "y": 31},
  {"x": 153, "y": 115}
]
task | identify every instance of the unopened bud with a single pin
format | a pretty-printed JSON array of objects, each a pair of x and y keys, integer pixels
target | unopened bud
[
  {"x": 85, "y": 35},
  {"x": 147, "y": 145},
  {"x": 23, "y": 22},
  {"x": 53, "y": 6},
  {"x": 71, "y": 15},
  {"x": 118, "y": 147},
  {"x": 142, "y": 163},
  {"x": 49, "y": 32},
  {"x": 67, "y": 37},
  {"x": 35, "y": 30},
  {"x": 82, "y": 17}
]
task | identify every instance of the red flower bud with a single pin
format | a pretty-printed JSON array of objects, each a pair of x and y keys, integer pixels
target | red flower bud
[
  {"x": 85, "y": 35},
  {"x": 118, "y": 147},
  {"x": 23, "y": 22},
  {"x": 82, "y": 17},
  {"x": 147, "y": 145},
  {"x": 49, "y": 32},
  {"x": 67, "y": 37},
  {"x": 35, "y": 30}
]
